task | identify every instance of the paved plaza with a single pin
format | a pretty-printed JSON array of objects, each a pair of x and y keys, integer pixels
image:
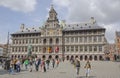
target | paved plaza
[{"x": 100, "y": 69}]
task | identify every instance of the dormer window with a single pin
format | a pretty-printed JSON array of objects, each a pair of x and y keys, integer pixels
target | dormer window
[
  {"x": 72, "y": 27},
  {"x": 85, "y": 24}
]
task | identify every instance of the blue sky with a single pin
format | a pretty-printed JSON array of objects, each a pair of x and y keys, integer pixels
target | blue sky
[{"x": 34, "y": 13}]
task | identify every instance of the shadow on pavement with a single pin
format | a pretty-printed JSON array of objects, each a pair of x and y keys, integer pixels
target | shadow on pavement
[
  {"x": 86, "y": 77},
  {"x": 2, "y": 72}
]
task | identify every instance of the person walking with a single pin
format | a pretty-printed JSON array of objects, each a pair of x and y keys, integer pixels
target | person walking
[
  {"x": 87, "y": 67},
  {"x": 44, "y": 66},
  {"x": 30, "y": 65},
  {"x": 53, "y": 63},
  {"x": 47, "y": 63},
  {"x": 11, "y": 71},
  {"x": 57, "y": 62},
  {"x": 37, "y": 63},
  {"x": 77, "y": 64},
  {"x": 26, "y": 62},
  {"x": 18, "y": 65}
]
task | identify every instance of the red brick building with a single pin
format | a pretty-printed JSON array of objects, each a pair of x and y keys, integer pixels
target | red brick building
[{"x": 117, "y": 43}]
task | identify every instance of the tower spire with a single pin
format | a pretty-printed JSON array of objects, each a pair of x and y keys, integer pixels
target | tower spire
[{"x": 51, "y": 6}]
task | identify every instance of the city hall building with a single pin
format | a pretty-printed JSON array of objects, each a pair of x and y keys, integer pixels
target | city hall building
[{"x": 60, "y": 40}]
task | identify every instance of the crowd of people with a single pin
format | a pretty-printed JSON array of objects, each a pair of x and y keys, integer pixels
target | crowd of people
[
  {"x": 77, "y": 65},
  {"x": 38, "y": 64},
  {"x": 30, "y": 64}
]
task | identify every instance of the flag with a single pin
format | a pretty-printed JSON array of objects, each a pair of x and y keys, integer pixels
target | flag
[
  {"x": 56, "y": 49},
  {"x": 49, "y": 49}
]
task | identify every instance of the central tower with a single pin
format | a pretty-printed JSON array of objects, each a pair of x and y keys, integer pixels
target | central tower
[{"x": 52, "y": 21}]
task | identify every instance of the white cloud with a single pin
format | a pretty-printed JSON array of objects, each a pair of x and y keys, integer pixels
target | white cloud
[
  {"x": 64, "y": 3},
  {"x": 110, "y": 32},
  {"x": 19, "y": 5},
  {"x": 105, "y": 12}
]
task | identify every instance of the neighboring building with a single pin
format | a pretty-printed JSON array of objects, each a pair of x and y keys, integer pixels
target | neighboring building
[
  {"x": 110, "y": 52},
  {"x": 3, "y": 50},
  {"x": 117, "y": 43},
  {"x": 60, "y": 40}
]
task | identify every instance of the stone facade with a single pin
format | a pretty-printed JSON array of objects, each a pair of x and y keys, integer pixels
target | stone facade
[
  {"x": 60, "y": 40},
  {"x": 117, "y": 44}
]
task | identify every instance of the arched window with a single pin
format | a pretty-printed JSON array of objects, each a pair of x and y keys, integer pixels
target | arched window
[
  {"x": 90, "y": 57},
  {"x": 86, "y": 57},
  {"x": 95, "y": 57},
  {"x": 81, "y": 57}
]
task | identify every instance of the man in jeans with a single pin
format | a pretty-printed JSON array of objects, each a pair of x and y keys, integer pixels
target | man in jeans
[{"x": 77, "y": 63}]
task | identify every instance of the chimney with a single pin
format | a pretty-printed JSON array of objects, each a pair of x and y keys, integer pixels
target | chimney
[
  {"x": 22, "y": 27},
  {"x": 92, "y": 20}
]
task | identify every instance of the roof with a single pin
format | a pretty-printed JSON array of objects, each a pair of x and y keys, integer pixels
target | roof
[
  {"x": 28, "y": 31},
  {"x": 87, "y": 26},
  {"x": 25, "y": 32}
]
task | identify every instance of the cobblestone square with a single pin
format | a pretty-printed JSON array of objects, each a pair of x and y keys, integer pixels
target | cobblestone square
[{"x": 100, "y": 69}]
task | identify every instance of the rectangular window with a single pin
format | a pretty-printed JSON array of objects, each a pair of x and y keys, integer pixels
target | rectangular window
[
  {"x": 36, "y": 49},
  {"x": 23, "y": 41},
  {"x": 90, "y": 39},
  {"x": 81, "y": 48},
  {"x": 100, "y": 48},
  {"x": 85, "y": 48},
  {"x": 19, "y": 49},
  {"x": 95, "y": 39},
  {"x": 13, "y": 41},
  {"x": 26, "y": 41},
  {"x": 66, "y": 40},
  {"x": 36, "y": 40},
  {"x": 16, "y": 41},
  {"x": 95, "y": 48},
  {"x": 72, "y": 48},
  {"x": 76, "y": 48},
  {"x": 13, "y": 49},
  {"x": 99, "y": 38},
  {"x": 80, "y": 39},
  {"x": 39, "y": 40},
  {"x": 39, "y": 49},
  {"x": 22, "y": 49},
  {"x": 25, "y": 49},
  {"x": 33, "y": 41},
  {"x": 85, "y": 39},
  {"x": 76, "y": 39},
  {"x": 67, "y": 48},
  {"x": 72, "y": 40},
  {"x": 90, "y": 48},
  {"x": 16, "y": 49}
]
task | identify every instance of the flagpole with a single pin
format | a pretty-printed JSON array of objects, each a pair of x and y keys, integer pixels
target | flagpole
[{"x": 7, "y": 54}]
